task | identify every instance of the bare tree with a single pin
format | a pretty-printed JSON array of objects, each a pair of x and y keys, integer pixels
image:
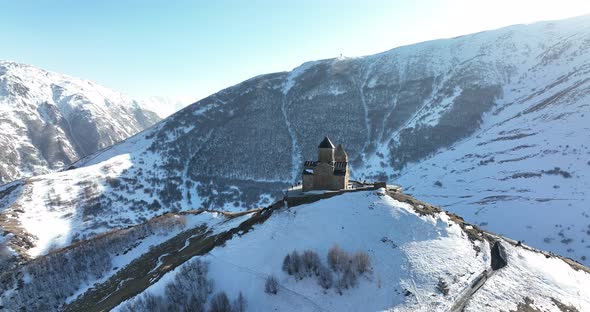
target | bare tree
[
  {"x": 220, "y": 303},
  {"x": 287, "y": 264},
  {"x": 146, "y": 302},
  {"x": 361, "y": 262},
  {"x": 310, "y": 262},
  {"x": 193, "y": 304},
  {"x": 239, "y": 304},
  {"x": 348, "y": 278},
  {"x": 325, "y": 277},
  {"x": 337, "y": 258},
  {"x": 296, "y": 268},
  {"x": 271, "y": 286}
]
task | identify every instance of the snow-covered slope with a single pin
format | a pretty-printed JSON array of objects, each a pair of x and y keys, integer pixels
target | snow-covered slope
[
  {"x": 477, "y": 123},
  {"x": 419, "y": 259},
  {"x": 526, "y": 177},
  {"x": 416, "y": 254},
  {"x": 48, "y": 120}
]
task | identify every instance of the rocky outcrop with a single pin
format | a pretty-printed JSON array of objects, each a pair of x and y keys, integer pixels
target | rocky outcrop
[{"x": 499, "y": 258}]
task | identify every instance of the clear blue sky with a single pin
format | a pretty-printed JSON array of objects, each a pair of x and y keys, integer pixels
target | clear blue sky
[{"x": 195, "y": 48}]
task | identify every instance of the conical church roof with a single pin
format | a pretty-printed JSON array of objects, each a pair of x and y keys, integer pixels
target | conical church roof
[
  {"x": 340, "y": 151},
  {"x": 326, "y": 143}
]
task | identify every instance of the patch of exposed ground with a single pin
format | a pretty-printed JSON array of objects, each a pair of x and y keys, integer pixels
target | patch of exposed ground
[
  {"x": 507, "y": 138},
  {"x": 556, "y": 97},
  {"x": 563, "y": 307},
  {"x": 495, "y": 198},
  {"x": 516, "y": 159},
  {"x": 526, "y": 175},
  {"x": 528, "y": 306}
]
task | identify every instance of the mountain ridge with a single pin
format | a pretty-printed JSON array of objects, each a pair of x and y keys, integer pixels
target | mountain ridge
[{"x": 406, "y": 115}]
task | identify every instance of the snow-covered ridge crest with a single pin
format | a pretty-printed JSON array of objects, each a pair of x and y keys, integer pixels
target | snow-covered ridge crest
[{"x": 41, "y": 84}]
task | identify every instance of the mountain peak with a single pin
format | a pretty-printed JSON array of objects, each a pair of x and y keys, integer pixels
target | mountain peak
[{"x": 56, "y": 119}]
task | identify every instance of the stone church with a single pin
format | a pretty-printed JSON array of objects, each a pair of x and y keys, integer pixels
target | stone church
[{"x": 329, "y": 172}]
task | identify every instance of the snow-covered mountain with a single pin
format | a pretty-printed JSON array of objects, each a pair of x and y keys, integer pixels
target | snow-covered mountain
[
  {"x": 165, "y": 106},
  {"x": 48, "y": 120},
  {"x": 406, "y": 256},
  {"x": 492, "y": 125}
]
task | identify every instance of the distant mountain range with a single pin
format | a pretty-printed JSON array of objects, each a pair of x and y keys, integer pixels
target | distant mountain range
[
  {"x": 165, "y": 106},
  {"x": 491, "y": 125},
  {"x": 48, "y": 120}
]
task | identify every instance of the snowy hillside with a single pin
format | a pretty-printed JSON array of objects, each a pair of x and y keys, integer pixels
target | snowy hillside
[
  {"x": 49, "y": 120},
  {"x": 403, "y": 248},
  {"x": 418, "y": 259},
  {"x": 526, "y": 177},
  {"x": 409, "y": 253},
  {"x": 490, "y": 125}
]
